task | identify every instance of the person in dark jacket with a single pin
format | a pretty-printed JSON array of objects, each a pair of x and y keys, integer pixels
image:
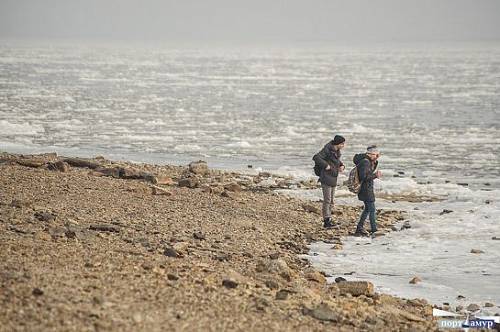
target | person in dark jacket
[
  {"x": 328, "y": 159},
  {"x": 367, "y": 170}
]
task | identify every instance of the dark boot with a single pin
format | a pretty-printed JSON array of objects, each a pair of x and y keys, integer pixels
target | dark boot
[
  {"x": 360, "y": 232},
  {"x": 327, "y": 223}
]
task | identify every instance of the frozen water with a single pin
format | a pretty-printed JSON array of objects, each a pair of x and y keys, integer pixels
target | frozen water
[
  {"x": 437, "y": 248},
  {"x": 433, "y": 110}
]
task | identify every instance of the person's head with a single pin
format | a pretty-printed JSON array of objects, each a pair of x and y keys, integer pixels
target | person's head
[
  {"x": 372, "y": 152},
  {"x": 339, "y": 142}
]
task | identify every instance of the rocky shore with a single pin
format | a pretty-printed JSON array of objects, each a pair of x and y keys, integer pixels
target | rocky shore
[{"x": 96, "y": 245}]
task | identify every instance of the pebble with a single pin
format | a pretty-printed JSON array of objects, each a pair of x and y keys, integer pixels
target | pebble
[
  {"x": 199, "y": 236},
  {"x": 415, "y": 280},
  {"x": 229, "y": 283},
  {"x": 170, "y": 252},
  {"x": 37, "y": 292},
  {"x": 282, "y": 294},
  {"x": 473, "y": 307},
  {"x": 45, "y": 216}
]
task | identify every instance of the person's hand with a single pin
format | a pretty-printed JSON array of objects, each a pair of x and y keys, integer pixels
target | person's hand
[
  {"x": 342, "y": 168},
  {"x": 328, "y": 168},
  {"x": 378, "y": 174}
]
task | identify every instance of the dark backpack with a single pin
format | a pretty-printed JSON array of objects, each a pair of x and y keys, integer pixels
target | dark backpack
[{"x": 317, "y": 169}]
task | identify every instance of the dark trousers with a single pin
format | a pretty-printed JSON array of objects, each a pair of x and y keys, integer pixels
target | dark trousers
[{"x": 368, "y": 210}]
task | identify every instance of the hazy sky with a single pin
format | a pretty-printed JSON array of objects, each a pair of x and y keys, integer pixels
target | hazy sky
[{"x": 252, "y": 20}]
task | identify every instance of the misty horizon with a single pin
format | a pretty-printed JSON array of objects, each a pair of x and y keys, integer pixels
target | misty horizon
[{"x": 252, "y": 22}]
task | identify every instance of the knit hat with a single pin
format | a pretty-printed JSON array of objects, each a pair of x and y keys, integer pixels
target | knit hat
[
  {"x": 373, "y": 149},
  {"x": 338, "y": 140}
]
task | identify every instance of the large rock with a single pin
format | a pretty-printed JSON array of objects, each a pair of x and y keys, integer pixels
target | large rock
[
  {"x": 275, "y": 266},
  {"x": 311, "y": 208},
  {"x": 316, "y": 277},
  {"x": 234, "y": 187},
  {"x": 189, "y": 182},
  {"x": 322, "y": 312},
  {"x": 77, "y": 162},
  {"x": 60, "y": 166},
  {"x": 30, "y": 163},
  {"x": 356, "y": 288},
  {"x": 132, "y": 173},
  {"x": 198, "y": 167},
  {"x": 109, "y": 171},
  {"x": 164, "y": 180}
]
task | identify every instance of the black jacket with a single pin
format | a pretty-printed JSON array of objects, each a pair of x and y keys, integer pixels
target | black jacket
[
  {"x": 328, "y": 156},
  {"x": 366, "y": 172}
]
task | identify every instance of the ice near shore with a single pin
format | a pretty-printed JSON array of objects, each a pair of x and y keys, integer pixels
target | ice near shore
[
  {"x": 437, "y": 248},
  {"x": 434, "y": 111}
]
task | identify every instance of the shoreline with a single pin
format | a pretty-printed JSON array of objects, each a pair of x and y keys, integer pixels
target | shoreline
[{"x": 168, "y": 247}]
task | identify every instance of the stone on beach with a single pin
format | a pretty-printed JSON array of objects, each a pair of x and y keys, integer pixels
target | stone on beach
[
  {"x": 311, "y": 208},
  {"x": 105, "y": 228},
  {"x": 189, "y": 182},
  {"x": 199, "y": 167},
  {"x": 323, "y": 312},
  {"x": 415, "y": 280},
  {"x": 473, "y": 307},
  {"x": 356, "y": 288}
]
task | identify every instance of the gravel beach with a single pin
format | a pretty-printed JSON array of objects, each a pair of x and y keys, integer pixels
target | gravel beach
[{"x": 97, "y": 245}]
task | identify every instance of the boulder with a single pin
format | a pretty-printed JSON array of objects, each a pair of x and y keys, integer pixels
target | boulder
[
  {"x": 132, "y": 173},
  {"x": 60, "y": 166},
  {"x": 198, "y": 167},
  {"x": 30, "y": 163},
  {"x": 322, "y": 312},
  {"x": 275, "y": 266},
  {"x": 164, "y": 180},
  {"x": 356, "y": 288},
  {"x": 316, "y": 277},
  {"x": 188, "y": 182},
  {"x": 109, "y": 171},
  {"x": 78, "y": 162},
  {"x": 234, "y": 187}
]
